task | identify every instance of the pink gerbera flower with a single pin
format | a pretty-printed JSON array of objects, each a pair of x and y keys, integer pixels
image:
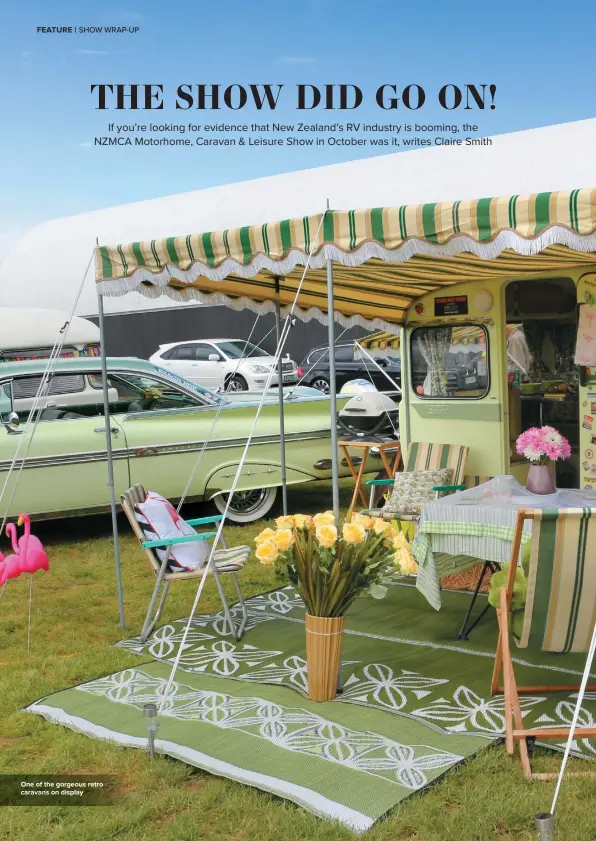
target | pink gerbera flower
[{"x": 542, "y": 444}]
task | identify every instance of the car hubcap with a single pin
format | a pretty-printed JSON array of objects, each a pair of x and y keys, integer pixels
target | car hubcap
[
  {"x": 247, "y": 502},
  {"x": 234, "y": 385},
  {"x": 321, "y": 385}
]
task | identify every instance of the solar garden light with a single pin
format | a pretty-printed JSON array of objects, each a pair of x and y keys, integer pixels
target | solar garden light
[
  {"x": 340, "y": 678},
  {"x": 150, "y": 712},
  {"x": 544, "y": 825}
]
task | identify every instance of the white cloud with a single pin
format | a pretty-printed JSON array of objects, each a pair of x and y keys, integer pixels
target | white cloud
[
  {"x": 297, "y": 59},
  {"x": 26, "y": 53},
  {"x": 92, "y": 52}
]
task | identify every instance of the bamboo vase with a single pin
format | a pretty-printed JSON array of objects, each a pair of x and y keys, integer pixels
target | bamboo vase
[{"x": 324, "y": 636}]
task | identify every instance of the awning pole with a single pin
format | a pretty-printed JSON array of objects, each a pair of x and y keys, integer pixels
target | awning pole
[
  {"x": 106, "y": 412},
  {"x": 280, "y": 389},
  {"x": 332, "y": 395},
  {"x": 404, "y": 435}
]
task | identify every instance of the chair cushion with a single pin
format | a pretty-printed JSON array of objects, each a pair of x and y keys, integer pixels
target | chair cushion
[
  {"x": 412, "y": 490},
  {"x": 159, "y": 520}
]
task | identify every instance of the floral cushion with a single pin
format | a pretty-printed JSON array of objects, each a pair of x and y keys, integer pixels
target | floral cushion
[{"x": 412, "y": 490}]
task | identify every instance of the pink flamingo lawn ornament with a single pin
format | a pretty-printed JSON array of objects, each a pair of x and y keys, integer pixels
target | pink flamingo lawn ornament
[
  {"x": 29, "y": 554},
  {"x": 10, "y": 566},
  {"x": 30, "y": 546}
]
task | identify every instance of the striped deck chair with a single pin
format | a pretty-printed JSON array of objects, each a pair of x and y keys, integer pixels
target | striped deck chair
[
  {"x": 559, "y": 614},
  {"x": 225, "y": 561},
  {"x": 425, "y": 457}
]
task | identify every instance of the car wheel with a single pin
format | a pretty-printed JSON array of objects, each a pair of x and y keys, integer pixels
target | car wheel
[
  {"x": 247, "y": 506},
  {"x": 236, "y": 383},
  {"x": 321, "y": 384}
]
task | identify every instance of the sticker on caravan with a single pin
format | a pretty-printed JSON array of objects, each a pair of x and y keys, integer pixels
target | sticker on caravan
[{"x": 588, "y": 422}]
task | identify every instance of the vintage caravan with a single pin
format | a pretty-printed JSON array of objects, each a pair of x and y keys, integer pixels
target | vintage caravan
[{"x": 487, "y": 359}]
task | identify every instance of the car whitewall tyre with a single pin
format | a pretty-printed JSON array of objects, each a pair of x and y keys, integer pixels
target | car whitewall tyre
[{"x": 247, "y": 506}]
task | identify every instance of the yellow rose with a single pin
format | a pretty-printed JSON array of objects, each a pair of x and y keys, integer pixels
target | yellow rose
[
  {"x": 326, "y": 535},
  {"x": 363, "y": 520},
  {"x": 302, "y": 521},
  {"x": 285, "y": 522},
  {"x": 283, "y": 539},
  {"x": 267, "y": 552},
  {"x": 325, "y": 519},
  {"x": 266, "y": 534},
  {"x": 400, "y": 541},
  {"x": 381, "y": 526},
  {"x": 406, "y": 562},
  {"x": 353, "y": 533}
]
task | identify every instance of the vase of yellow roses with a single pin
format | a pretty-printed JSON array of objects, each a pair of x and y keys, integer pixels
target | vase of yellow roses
[{"x": 330, "y": 568}]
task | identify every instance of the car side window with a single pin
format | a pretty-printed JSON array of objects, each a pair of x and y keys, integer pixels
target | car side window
[
  {"x": 5, "y": 401},
  {"x": 146, "y": 394},
  {"x": 344, "y": 353},
  {"x": 317, "y": 356},
  {"x": 203, "y": 352},
  {"x": 183, "y": 352},
  {"x": 67, "y": 397}
]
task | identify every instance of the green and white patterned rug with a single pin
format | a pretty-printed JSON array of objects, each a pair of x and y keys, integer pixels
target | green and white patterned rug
[{"x": 414, "y": 704}]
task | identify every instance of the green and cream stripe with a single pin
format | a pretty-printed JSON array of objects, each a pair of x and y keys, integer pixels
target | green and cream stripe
[
  {"x": 391, "y": 227},
  {"x": 476, "y": 240},
  {"x": 560, "y": 611}
]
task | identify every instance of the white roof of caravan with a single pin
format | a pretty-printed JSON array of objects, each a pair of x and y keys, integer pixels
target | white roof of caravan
[
  {"x": 24, "y": 328},
  {"x": 50, "y": 259}
]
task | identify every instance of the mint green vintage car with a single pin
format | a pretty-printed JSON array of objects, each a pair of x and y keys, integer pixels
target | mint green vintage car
[{"x": 159, "y": 424}]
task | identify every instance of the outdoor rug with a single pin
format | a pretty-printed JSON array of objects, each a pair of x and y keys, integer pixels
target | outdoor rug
[{"x": 415, "y": 701}]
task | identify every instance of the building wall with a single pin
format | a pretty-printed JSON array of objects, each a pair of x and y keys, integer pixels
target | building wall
[{"x": 140, "y": 334}]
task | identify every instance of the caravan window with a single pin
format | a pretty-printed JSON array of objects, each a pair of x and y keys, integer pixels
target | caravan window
[
  {"x": 450, "y": 362},
  {"x": 36, "y": 353}
]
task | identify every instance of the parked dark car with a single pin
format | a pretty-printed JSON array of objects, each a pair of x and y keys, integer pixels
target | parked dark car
[{"x": 350, "y": 364}]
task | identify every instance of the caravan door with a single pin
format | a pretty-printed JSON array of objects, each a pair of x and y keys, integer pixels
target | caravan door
[{"x": 455, "y": 393}]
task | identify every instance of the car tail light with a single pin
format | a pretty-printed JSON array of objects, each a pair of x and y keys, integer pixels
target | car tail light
[{"x": 299, "y": 371}]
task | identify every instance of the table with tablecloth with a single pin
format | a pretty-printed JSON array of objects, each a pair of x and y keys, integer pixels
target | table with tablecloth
[{"x": 457, "y": 531}]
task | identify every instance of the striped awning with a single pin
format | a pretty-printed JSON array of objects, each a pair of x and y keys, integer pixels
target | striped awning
[{"x": 384, "y": 258}]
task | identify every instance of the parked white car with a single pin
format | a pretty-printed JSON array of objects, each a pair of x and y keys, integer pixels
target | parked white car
[{"x": 225, "y": 364}]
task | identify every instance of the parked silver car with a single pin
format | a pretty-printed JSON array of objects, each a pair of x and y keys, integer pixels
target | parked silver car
[{"x": 224, "y": 364}]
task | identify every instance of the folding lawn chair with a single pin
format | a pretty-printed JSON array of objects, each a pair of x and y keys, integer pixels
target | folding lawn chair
[
  {"x": 425, "y": 457},
  {"x": 225, "y": 561},
  {"x": 558, "y": 616}
]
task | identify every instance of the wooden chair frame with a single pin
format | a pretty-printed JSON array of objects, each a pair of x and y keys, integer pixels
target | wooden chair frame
[
  {"x": 137, "y": 494},
  {"x": 514, "y": 724}
]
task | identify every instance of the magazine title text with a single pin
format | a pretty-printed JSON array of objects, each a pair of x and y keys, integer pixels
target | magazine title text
[{"x": 341, "y": 97}]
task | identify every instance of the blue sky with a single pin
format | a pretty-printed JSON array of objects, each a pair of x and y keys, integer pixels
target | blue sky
[{"x": 539, "y": 56}]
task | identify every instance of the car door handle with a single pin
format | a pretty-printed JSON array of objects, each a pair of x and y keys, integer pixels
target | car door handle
[{"x": 113, "y": 429}]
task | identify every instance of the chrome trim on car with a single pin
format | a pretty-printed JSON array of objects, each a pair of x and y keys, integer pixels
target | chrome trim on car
[
  {"x": 157, "y": 450},
  {"x": 72, "y": 458}
]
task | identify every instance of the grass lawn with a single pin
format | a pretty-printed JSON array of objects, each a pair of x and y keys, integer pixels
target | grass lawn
[{"x": 74, "y": 626}]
